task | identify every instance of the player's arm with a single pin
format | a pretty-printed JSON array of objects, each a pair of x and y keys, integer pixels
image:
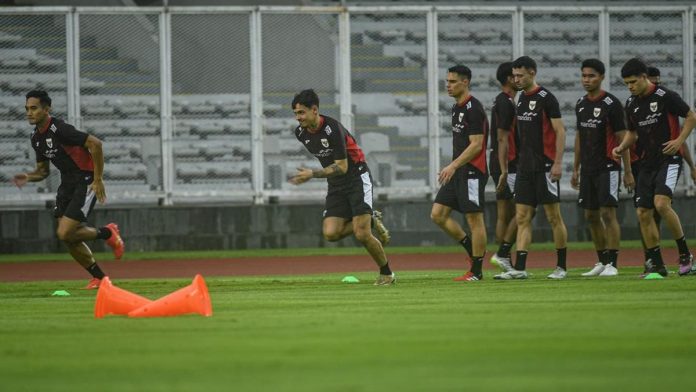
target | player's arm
[
  {"x": 673, "y": 146},
  {"x": 627, "y": 141},
  {"x": 338, "y": 168},
  {"x": 559, "y": 128},
  {"x": 41, "y": 171},
  {"x": 576, "y": 162},
  {"x": 503, "y": 147},
  {"x": 686, "y": 153},
  {"x": 470, "y": 152},
  {"x": 94, "y": 146},
  {"x": 629, "y": 181}
]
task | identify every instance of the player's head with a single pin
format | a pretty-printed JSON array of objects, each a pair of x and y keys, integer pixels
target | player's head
[
  {"x": 458, "y": 79},
  {"x": 305, "y": 105},
  {"x": 654, "y": 75},
  {"x": 635, "y": 76},
  {"x": 37, "y": 106},
  {"x": 524, "y": 71},
  {"x": 504, "y": 74},
  {"x": 592, "y": 71}
]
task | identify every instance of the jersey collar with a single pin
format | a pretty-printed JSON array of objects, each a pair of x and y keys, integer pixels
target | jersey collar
[
  {"x": 536, "y": 90},
  {"x": 461, "y": 105},
  {"x": 48, "y": 124},
  {"x": 601, "y": 96},
  {"x": 321, "y": 125}
]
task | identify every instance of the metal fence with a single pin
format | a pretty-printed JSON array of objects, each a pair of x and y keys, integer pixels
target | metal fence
[{"x": 193, "y": 103}]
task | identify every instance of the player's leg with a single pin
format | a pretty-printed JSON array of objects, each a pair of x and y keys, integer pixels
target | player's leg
[
  {"x": 525, "y": 204},
  {"x": 548, "y": 192},
  {"x": 445, "y": 201},
  {"x": 335, "y": 228},
  {"x": 479, "y": 240},
  {"x": 502, "y": 256},
  {"x": 79, "y": 251},
  {"x": 589, "y": 202},
  {"x": 363, "y": 233}
]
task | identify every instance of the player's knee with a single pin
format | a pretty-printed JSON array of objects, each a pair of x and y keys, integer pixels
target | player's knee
[
  {"x": 592, "y": 216},
  {"x": 663, "y": 205},
  {"x": 332, "y": 236},
  {"x": 438, "y": 218},
  {"x": 644, "y": 214},
  {"x": 608, "y": 215},
  {"x": 64, "y": 234},
  {"x": 362, "y": 235}
]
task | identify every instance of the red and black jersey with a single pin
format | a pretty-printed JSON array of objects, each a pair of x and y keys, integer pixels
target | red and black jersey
[
  {"x": 469, "y": 119},
  {"x": 656, "y": 119},
  {"x": 64, "y": 146},
  {"x": 332, "y": 142},
  {"x": 503, "y": 117},
  {"x": 598, "y": 120},
  {"x": 537, "y": 139}
]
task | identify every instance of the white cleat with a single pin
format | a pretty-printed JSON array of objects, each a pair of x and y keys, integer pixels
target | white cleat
[
  {"x": 513, "y": 274},
  {"x": 609, "y": 270},
  {"x": 558, "y": 273},
  {"x": 595, "y": 271},
  {"x": 502, "y": 262}
]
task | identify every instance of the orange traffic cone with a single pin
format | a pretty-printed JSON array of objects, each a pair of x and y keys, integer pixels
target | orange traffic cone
[
  {"x": 193, "y": 298},
  {"x": 114, "y": 300}
]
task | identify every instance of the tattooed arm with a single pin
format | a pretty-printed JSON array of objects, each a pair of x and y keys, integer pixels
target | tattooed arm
[{"x": 338, "y": 168}]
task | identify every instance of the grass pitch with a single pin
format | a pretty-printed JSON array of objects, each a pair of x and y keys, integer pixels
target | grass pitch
[{"x": 314, "y": 333}]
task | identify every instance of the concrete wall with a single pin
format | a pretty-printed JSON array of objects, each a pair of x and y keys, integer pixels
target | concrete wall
[{"x": 272, "y": 226}]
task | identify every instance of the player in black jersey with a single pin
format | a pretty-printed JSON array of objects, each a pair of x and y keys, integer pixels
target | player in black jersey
[
  {"x": 464, "y": 179},
  {"x": 653, "y": 117},
  {"x": 349, "y": 198},
  {"x": 78, "y": 156},
  {"x": 600, "y": 128},
  {"x": 541, "y": 142},
  {"x": 502, "y": 164}
]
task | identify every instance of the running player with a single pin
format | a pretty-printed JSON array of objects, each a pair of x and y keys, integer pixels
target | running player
[
  {"x": 349, "y": 198},
  {"x": 79, "y": 158},
  {"x": 541, "y": 142},
  {"x": 464, "y": 179},
  {"x": 653, "y": 116},
  {"x": 600, "y": 128}
]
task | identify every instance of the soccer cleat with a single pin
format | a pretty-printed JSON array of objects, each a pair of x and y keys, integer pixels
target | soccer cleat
[
  {"x": 558, "y": 273},
  {"x": 115, "y": 242},
  {"x": 609, "y": 270},
  {"x": 513, "y": 274},
  {"x": 382, "y": 231},
  {"x": 654, "y": 269},
  {"x": 646, "y": 268},
  {"x": 385, "y": 280},
  {"x": 502, "y": 262},
  {"x": 686, "y": 264},
  {"x": 595, "y": 271},
  {"x": 93, "y": 284},
  {"x": 468, "y": 277}
]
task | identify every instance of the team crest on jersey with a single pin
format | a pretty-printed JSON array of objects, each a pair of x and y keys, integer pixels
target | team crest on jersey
[
  {"x": 532, "y": 105},
  {"x": 597, "y": 112},
  {"x": 324, "y": 142},
  {"x": 461, "y": 116},
  {"x": 653, "y": 107},
  {"x": 328, "y": 130},
  {"x": 49, "y": 142}
]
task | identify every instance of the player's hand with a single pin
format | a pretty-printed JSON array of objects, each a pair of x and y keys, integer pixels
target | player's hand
[
  {"x": 502, "y": 182},
  {"x": 616, "y": 153},
  {"x": 575, "y": 181},
  {"x": 446, "y": 174},
  {"x": 303, "y": 175},
  {"x": 20, "y": 180},
  {"x": 693, "y": 174},
  {"x": 629, "y": 181},
  {"x": 97, "y": 187},
  {"x": 556, "y": 172},
  {"x": 671, "y": 147}
]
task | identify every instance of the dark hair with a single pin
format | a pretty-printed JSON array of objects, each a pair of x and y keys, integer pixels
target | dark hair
[
  {"x": 633, "y": 67},
  {"x": 461, "y": 70},
  {"x": 653, "y": 71},
  {"x": 306, "y": 98},
  {"x": 41, "y": 95},
  {"x": 504, "y": 71},
  {"x": 525, "y": 62},
  {"x": 595, "y": 64}
]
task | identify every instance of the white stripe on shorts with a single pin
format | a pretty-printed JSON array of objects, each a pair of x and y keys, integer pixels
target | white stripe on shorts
[
  {"x": 88, "y": 201},
  {"x": 552, "y": 186},
  {"x": 614, "y": 184},
  {"x": 473, "y": 185},
  {"x": 511, "y": 181},
  {"x": 672, "y": 176},
  {"x": 367, "y": 188}
]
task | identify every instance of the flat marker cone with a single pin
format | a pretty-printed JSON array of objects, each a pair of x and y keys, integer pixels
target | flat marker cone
[
  {"x": 193, "y": 298},
  {"x": 114, "y": 300}
]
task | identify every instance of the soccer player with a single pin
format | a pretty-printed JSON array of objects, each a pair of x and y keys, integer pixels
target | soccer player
[
  {"x": 600, "y": 128},
  {"x": 464, "y": 179},
  {"x": 349, "y": 198},
  {"x": 652, "y": 113},
  {"x": 503, "y": 163},
  {"x": 541, "y": 142},
  {"x": 79, "y": 158}
]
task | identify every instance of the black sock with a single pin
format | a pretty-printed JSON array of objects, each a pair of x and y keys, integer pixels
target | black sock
[
  {"x": 561, "y": 254},
  {"x": 655, "y": 256},
  {"x": 477, "y": 265},
  {"x": 601, "y": 256},
  {"x": 681, "y": 244},
  {"x": 466, "y": 243},
  {"x": 103, "y": 233},
  {"x": 612, "y": 255},
  {"x": 504, "y": 249},
  {"x": 385, "y": 270},
  {"x": 95, "y": 271},
  {"x": 521, "y": 261}
]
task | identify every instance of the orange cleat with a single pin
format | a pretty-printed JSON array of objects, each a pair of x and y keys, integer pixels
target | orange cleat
[
  {"x": 93, "y": 284},
  {"x": 115, "y": 241},
  {"x": 468, "y": 277}
]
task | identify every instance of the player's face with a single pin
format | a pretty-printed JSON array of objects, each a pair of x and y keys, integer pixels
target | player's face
[
  {"x": 307, "y": 117},
  {"x": 636, "y": 84},
  {"x": 36, "y": 113},
  {"x": 456, "y": 85},
  {"x": 523, "y": 77},
  {"x": 591, "y": 79}
]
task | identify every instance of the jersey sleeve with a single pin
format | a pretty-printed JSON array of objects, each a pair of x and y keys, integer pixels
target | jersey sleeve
[
  {"x": 630, "y": 124},
  {"x": 337, "y": 139},
  {"x": 675, "y": 104},
  {"x": 616, "y": 117},
  {"x": 477, "y": 120},
  {"x": 553, "y": 110},
  {"x": 506, "y": 110},
  {"x": 70, "y": 136}
]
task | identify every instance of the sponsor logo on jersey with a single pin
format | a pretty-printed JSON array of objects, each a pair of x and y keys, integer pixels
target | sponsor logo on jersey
[
  {"x": 527, "y": 116},
  {"x": 328, "y": 130},
  {"x": 532, "y": 105},
  {"x": 597, "y": 112},
  {"x": 653, "y": 107},
  {"x": 324, "y": 142},
  {"x": 324, "y": 153}
]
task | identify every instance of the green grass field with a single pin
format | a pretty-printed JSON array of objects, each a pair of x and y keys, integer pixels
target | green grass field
[{"x": 314, "y": 333}]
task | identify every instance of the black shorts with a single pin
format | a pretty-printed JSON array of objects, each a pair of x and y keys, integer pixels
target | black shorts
[
  {"x": 506, "y": 194},
  {"x": 350, "y": 199},
  {"x": 534, "y": 188},
  {"x": 659, "y": 181},
  {"x": 599, "y": 189},
  {"x": 75, "y": 200},
  {"x": 464, "y": 193}
]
